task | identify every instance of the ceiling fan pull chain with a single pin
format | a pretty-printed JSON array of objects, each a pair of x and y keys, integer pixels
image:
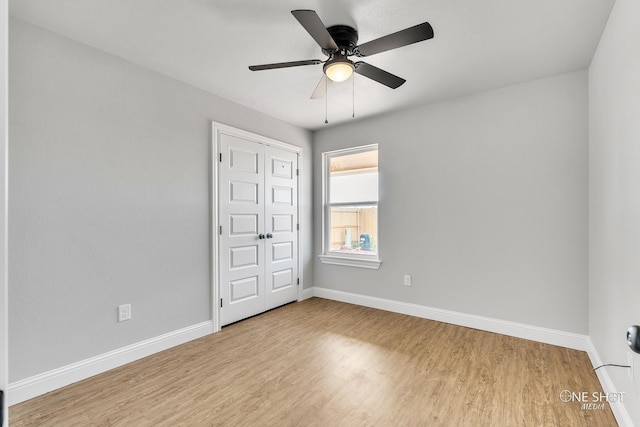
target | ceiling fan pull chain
[
  {"x": 326, "y": 102},
  {"x": 353, "y": 100}
]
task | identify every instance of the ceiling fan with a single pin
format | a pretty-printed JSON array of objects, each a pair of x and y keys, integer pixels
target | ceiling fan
[{"x": 339, "y": 42}]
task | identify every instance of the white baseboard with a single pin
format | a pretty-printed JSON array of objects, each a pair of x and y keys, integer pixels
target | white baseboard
[
  {"x": 307, "y": 293},
  {"x": 519, "y": 330},
  {"x": 618, "y": 408},
  {"x": 37, "y": 385}
]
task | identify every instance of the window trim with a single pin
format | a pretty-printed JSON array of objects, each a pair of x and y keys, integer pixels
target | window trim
[{"x": 370, "y": 261}]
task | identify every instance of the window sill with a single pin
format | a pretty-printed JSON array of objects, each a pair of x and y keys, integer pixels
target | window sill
[{"x": 351, "y": 261}]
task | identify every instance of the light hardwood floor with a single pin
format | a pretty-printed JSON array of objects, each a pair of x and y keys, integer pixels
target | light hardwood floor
[{"x": 325, "y": 363}]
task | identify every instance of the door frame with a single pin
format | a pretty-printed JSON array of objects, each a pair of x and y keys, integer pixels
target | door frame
[{"x": 218, "y": 129}]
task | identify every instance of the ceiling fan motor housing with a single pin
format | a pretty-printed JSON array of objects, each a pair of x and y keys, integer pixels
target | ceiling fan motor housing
[{"x": 345, "y": 37}]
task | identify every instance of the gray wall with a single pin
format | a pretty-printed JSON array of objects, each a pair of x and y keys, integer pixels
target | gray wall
[
  {"x": 109, "y": 199},
  {"x": 614, "y": 195},
  {"x": 4, "y": 68},
  {"x": 483, "y": 200}
]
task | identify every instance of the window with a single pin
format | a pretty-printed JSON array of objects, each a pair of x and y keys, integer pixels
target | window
[{"x": 350, "y": 202}]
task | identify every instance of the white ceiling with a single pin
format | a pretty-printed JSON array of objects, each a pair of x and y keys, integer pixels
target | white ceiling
[{"x": 478, "y": 45}]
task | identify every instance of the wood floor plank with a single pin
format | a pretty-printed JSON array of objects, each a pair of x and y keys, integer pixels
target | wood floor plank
[{"x": 325, "y": 363}]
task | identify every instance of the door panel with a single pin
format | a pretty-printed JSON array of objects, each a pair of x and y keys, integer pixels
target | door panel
[
  {"x": 282, "y": 223},
  {"x": 243, "y": 192},
  {"x": 243, "y": 257},
  {"x": 282, "y": 168},
  {"x": 241, "y": 216},
  {"x": 244, "y": 160},
  {"x": 243, "y": 224},
  {"x": 281, "y": 183},
  {"x": 282, "y": 252},
  {"x": 282, "y": 196},
  {"x": 282, "y": 279},
  {"x": 244, "y": 289}
]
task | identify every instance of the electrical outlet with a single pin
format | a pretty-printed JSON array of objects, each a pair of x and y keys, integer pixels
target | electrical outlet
[
  {"x": 407, "y": 280},
  {"x": 630, "y": 363},
  {"x": 124, "y": 312}
]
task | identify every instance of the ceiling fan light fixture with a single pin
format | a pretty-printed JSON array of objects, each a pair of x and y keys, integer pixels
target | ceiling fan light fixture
[{"x": 339, "y": 69}]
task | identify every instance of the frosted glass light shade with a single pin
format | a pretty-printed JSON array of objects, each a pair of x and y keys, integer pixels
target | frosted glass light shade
[{"x": 339, "y": 71}]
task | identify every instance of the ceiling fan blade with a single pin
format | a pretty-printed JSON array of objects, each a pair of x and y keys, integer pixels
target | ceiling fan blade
[
  {"x": 404, "y": 37},
  {"x": 311, "y": 22},
  {"x": 284, "y": 65},
  {"x": 381, "y": 76},
  {"x": 321, "y": 89}
]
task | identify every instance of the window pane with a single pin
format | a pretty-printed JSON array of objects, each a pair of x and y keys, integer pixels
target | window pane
[
  {"x": 354, "y": 229},
  {"x": 354, "y": 177},
  {"x": 353, "y": 187}
]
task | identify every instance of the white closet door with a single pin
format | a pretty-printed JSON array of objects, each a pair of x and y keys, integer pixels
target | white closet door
[
  {"x": 241, "y": 216},
  {"x": 281, "y": 217},
  {"x": 258, "y": 216}
]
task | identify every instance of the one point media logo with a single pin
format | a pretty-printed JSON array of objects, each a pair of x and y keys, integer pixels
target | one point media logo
[{"x": 590, "y": 401}]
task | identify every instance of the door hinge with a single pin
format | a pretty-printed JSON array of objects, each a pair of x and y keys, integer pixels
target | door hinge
[
  {"x": 220, "y": 302},
  {"x": 297, "y": 172},
  {"x": 220, "y": 157},
  {"x": 221, "y": 230},
  {"x": 298, "y": 227},
  {"x": 298, "y": 280}
]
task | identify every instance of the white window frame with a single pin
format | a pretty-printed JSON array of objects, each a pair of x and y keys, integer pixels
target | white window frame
[{"x": 371, "y": 261}]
